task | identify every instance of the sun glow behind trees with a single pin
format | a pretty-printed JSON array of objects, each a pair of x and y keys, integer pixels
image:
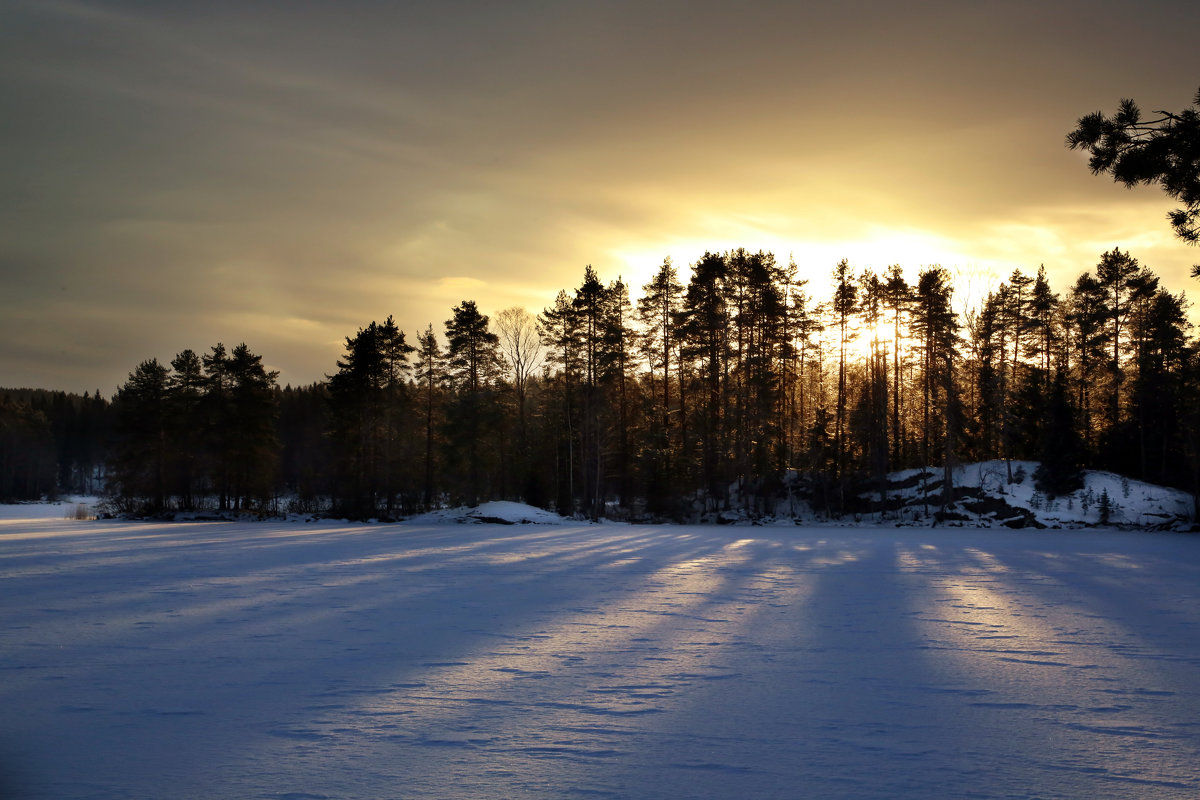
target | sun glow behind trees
[
  {"x": 815, "y": 257},
  {"x": 756, "y": 345},
  {"x": 734, "y": 385}
]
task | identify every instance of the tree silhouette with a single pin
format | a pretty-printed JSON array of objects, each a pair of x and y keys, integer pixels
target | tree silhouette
[
  {"x": 936, "y": 329},
  {"x": 1084, "y": 333},
  {"x": 474, "y": 364},
  {"x": 252, "y": 451},
  {"x": 559, "y": 326},
  {"x": 1104, "y": 378},
  {"x": 367, "y": 395},
  {"x": 1163, "y": 150},
  {"x": 139, "y": 464},
  {"x": 1122, "y": 282},
  {"x": 185, "y": 406},
  {"x": 845, "y": 303},
  {"x": 1060, "y": 471},
  {"x": 430, "y": 376},
  {"x": 705, "y": 332},
  {"x": 896, "y": 295},
  {"x": 522, "y": 349},
  {"x": 26, "y": 452},
  {"x": 657, "y": 311}
]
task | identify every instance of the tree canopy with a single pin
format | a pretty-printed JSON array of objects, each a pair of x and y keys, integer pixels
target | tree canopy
[{"x": 1164, "y": 150}]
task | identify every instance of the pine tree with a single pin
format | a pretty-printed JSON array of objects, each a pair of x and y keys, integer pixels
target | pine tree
[
  {"x": 430, "y": 377},
  {"x": 1016, "y": 323},
  {"x": 875, "y": 395},
  {"x": 357, "y": 405},
  {"x": 1160, "y": 395},
  {"x": 1164, "y": 150},
  {"x": 657, "y": 311},
  {"x": 1060, "y": 470},
  {"x": 27, "y": 454},
  {"x": 1121, "y": 281},
  {"x": 252, "y": 452},
  {"x": 798, "y": 326},
  {"x": 218, "y": 426},
  {"x": 1105, "y": 507},
  {"x": 306, "y": 452},
  {"x": 589, "y": 305},
  {"x": 897, "y": 296},
  {"x": 1084, "y": 333},
  {"x": 140, "y": 458},
  {"x": 936, "y": 329},
  {"x": 559, "y": 328},
  {"x": 396, "y": 456},
  {"x": 845, "y": 303},
  {"x": 186, "y": 386},
  {"x": 616, "y": 369},
  {"x": 1043, "y": 333},
  {"x": 474, "y": 365},
  {"x": 705, "y": 331},
  {"x": 986, "y": 333}
]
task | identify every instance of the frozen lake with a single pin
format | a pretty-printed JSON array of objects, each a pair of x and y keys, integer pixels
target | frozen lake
[{"x": 223, "y": 660}]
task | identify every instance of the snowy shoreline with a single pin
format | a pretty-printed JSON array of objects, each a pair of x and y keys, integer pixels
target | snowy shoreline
[{"x": 985, "y": 497}]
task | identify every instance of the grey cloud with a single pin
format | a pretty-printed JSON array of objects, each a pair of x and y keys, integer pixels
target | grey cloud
[{"x": 208, "y": 165}]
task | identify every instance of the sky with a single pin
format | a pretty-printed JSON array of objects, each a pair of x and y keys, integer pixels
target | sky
[{"x": 173, "y": 175}]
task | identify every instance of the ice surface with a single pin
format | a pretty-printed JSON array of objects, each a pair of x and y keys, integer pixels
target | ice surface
[{"x": 293, "y": 660}]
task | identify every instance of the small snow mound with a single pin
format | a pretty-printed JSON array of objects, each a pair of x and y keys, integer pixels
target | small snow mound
[
  {"x": 501, "y": 512},
  {"x": 511, "y": 513}
]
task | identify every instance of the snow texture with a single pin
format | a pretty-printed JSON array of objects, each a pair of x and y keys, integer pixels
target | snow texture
[
  {"x": 423, "y": 660},
  {"x": 499, "y": 512},
  {"x": 989, "y": 498}
]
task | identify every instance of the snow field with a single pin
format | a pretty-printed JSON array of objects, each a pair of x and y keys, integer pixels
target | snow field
[{"x": 292, "y": 660}]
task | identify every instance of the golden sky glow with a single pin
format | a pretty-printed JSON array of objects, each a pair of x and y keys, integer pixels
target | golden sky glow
[{"x": 180, "y": 174}]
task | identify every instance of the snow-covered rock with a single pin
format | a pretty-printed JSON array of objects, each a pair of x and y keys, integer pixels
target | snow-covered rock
[
  {"x": 986, "y": 496},
  {"x": 502, "y": 512}
]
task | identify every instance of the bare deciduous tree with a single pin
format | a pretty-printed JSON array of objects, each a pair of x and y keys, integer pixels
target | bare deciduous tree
[{"x": 522, "y": 348}]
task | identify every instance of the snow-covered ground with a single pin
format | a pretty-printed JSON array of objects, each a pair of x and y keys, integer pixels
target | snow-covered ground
[
  {"x": 76, "y": 507},
  {"x": 1130, "y": 502},
  {"x": 418, "y": 660},
  {"x": 501, "y": 512}
]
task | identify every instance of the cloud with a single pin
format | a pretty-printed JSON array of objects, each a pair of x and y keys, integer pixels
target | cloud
[
  {"x": 216, "y": 172},
  {"x": 458, "y": 284}
]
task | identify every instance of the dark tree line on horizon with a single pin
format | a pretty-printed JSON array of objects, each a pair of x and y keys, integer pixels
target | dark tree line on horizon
[
  {"x": 51, "y": 442},
  {"x": 734, "y": 390}
]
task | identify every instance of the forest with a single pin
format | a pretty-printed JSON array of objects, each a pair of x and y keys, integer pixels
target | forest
[{"x": 728, "y": 388}]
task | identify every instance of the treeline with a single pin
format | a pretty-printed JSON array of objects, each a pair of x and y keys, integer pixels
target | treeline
[
  {"x": 200, "y": 433},
  {"x": 733, "y": 390},
  {"x": 51, "y": 442}
]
